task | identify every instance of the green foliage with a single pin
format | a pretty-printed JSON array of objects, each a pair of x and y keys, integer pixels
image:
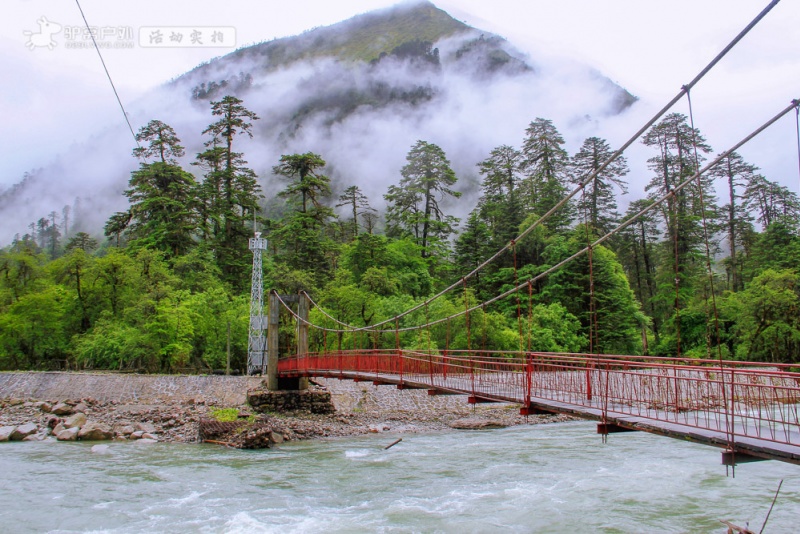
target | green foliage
[
  {"x": 597, "y": 204},
  {"x": 225, "y": 415},
  {"x": 162, "y": 214},
  {"x": 546, "y": 167},
  {"x": 766, "y": 317},
  {"x": 170, "y": 291},
  {"x": 390, "y": 29},
  {"x": 414, "y": 210},
  {"x": 617, "y": 321},
  {"x": 552, "y": 328},
  {"x": 33, "y": 333}
]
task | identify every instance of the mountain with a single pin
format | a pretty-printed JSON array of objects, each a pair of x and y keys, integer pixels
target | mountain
[{"x": 359, "y": 93}]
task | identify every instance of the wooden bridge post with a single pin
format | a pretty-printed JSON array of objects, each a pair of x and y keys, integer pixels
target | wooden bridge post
[
  {"x": 272, "y": 342},
  {"x": 302, "y": 334}
]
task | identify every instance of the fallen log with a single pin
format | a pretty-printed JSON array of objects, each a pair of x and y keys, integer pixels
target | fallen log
[{"x": 392, "y": 444}]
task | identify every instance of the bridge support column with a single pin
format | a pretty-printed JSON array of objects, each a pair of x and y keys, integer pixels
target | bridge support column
[
  {"x": 302, "y": 335},
  {"x": 731, "y": 458},
  {"x": 612, "y": 428},
  {"x": 272, "y": 342},
  {"x": 275, "y": 383}
]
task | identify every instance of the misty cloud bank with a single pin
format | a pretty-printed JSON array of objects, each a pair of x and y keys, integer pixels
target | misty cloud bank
[{"x": 361, "y": 118}]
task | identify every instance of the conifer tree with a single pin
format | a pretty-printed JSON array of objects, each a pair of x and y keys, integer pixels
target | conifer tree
[
  {"x": 358, "y": 203},
  {"x": 771, "y": 202},
  {"x": 414, "y": 207},
  {"x": 302, "y": 235},
  {"x": 499, "y": 206},
  {"x": 161, "y": 195},
  {"x": 598, "y": 201},
  {"x": 546, "y": 167},
  {"x": 737, "y": 173},
  {"x": 230, "y": 193},
  {"x": 681, "y": 275}
]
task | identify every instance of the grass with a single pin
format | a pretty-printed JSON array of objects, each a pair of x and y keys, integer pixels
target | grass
[{"x": 225, "y": 415}]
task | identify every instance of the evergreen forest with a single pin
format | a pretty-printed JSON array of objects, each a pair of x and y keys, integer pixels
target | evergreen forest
[{"x": 165, "y": 286}]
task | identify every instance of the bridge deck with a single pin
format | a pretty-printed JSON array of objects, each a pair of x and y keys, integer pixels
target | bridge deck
[{"x": 751, "y": 441}]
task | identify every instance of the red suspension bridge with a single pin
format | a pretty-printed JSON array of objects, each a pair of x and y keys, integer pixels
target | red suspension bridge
[{"x": 748, "y": 409}]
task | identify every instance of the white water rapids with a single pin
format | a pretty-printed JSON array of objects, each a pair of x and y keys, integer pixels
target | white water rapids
[{"x": 542, "y": 478}]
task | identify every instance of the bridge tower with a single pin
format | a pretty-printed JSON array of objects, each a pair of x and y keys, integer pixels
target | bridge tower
[{"x": 256, "y": 341}]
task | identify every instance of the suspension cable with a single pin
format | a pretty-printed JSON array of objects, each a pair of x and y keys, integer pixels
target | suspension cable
[
  {"x": 466, "y": 314},
  {"x": 519, "y": 304},
  {"x": 797, "y": 123},
  {"x": 676, "y": 253},
  {"x": 530, "y": 314},
  {"x": 728, "y": 413},
  {"x": 108, "y": 74}
]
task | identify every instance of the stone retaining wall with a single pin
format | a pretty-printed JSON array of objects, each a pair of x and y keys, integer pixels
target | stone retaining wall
[
  {"x": 290, "y": 401},
  {"x": 347, "y": 396},
  {"x": 128, "y": 388}
]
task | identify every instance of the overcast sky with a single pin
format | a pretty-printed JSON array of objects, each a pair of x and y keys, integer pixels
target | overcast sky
[{"x": 52, "y": 98}]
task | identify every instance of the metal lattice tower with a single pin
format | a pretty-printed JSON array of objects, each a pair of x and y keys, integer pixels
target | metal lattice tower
[{"x": 257, "y": 341}]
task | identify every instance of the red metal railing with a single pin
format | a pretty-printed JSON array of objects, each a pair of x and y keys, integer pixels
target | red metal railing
[{"x": 740, "y": 399}]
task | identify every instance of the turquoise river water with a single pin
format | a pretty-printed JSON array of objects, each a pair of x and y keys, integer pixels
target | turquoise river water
[{"x": 544, "y": 478}]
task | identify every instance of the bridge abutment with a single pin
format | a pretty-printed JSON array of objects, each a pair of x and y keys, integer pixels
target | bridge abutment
[{"x": 274, "y": 382}]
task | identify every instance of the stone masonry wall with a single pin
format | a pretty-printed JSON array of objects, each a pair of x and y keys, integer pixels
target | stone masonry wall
[
  {"x": 290, "y": 401},
  {"x": 128, "y": 388},
  {"x": 346, "y": 395}
]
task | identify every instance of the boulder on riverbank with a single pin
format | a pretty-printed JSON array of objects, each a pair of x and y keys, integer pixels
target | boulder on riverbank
[
  {"x": 75, "y": 420},
  {"x": 67, "y": 434},
  {"x": 6, "y": 431},
  {"x": 95, "y": 432},
  {"x": 23, "y": 431},
  {"x": 476, "y": 424},
  {"x": 62, "y": 408}
]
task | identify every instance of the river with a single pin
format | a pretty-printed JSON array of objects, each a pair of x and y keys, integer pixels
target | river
[{"x": 543, "y": 478}]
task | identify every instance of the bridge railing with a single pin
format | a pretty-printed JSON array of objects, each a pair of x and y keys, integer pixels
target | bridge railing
[{"x": 743, "y": 399}]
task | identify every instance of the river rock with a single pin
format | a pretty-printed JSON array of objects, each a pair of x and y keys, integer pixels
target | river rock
[
  {"x": 59, "y": 428},
  {"x": 45, "y": 407},
  {"x": 126, "y": 430},
  {"x": 35, "y": 437},
  {"x": 62, "y": 408},
  {"x": 476, "y": 424},
  {"x": 95, "y": 432},
  {"x": 147, "y": 440},
  {"x": 148, "y": 435},
  {"x": 137, "y": 435},
  {"x": 81, "y": 407},
  {"x": 100, "y": 449},
  {"x": 6, "y": 431},
  {"x": 145, "y": 427},
  {"x": 276, "y": 438},
  {"x": 69, "y": 434},
  {"x": 23, "y": 431},
  {"x": 15, "y": 402},
  {"x": 78, "y": 419}
]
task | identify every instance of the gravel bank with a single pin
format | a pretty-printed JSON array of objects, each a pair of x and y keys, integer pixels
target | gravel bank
[{"x": 169, "y": 408}]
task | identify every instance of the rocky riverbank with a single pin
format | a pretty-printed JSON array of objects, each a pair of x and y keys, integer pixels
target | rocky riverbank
[{"x": 176, "y": 416}]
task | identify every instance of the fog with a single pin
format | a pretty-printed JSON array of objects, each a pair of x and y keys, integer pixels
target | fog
[{"x": 468, "y": 111}]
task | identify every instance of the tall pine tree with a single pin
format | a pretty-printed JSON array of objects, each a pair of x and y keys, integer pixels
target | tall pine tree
[{"x": 546, "y": 167}]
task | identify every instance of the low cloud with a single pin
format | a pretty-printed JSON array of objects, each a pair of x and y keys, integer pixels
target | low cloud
[{"x": 314, "y": 106}]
